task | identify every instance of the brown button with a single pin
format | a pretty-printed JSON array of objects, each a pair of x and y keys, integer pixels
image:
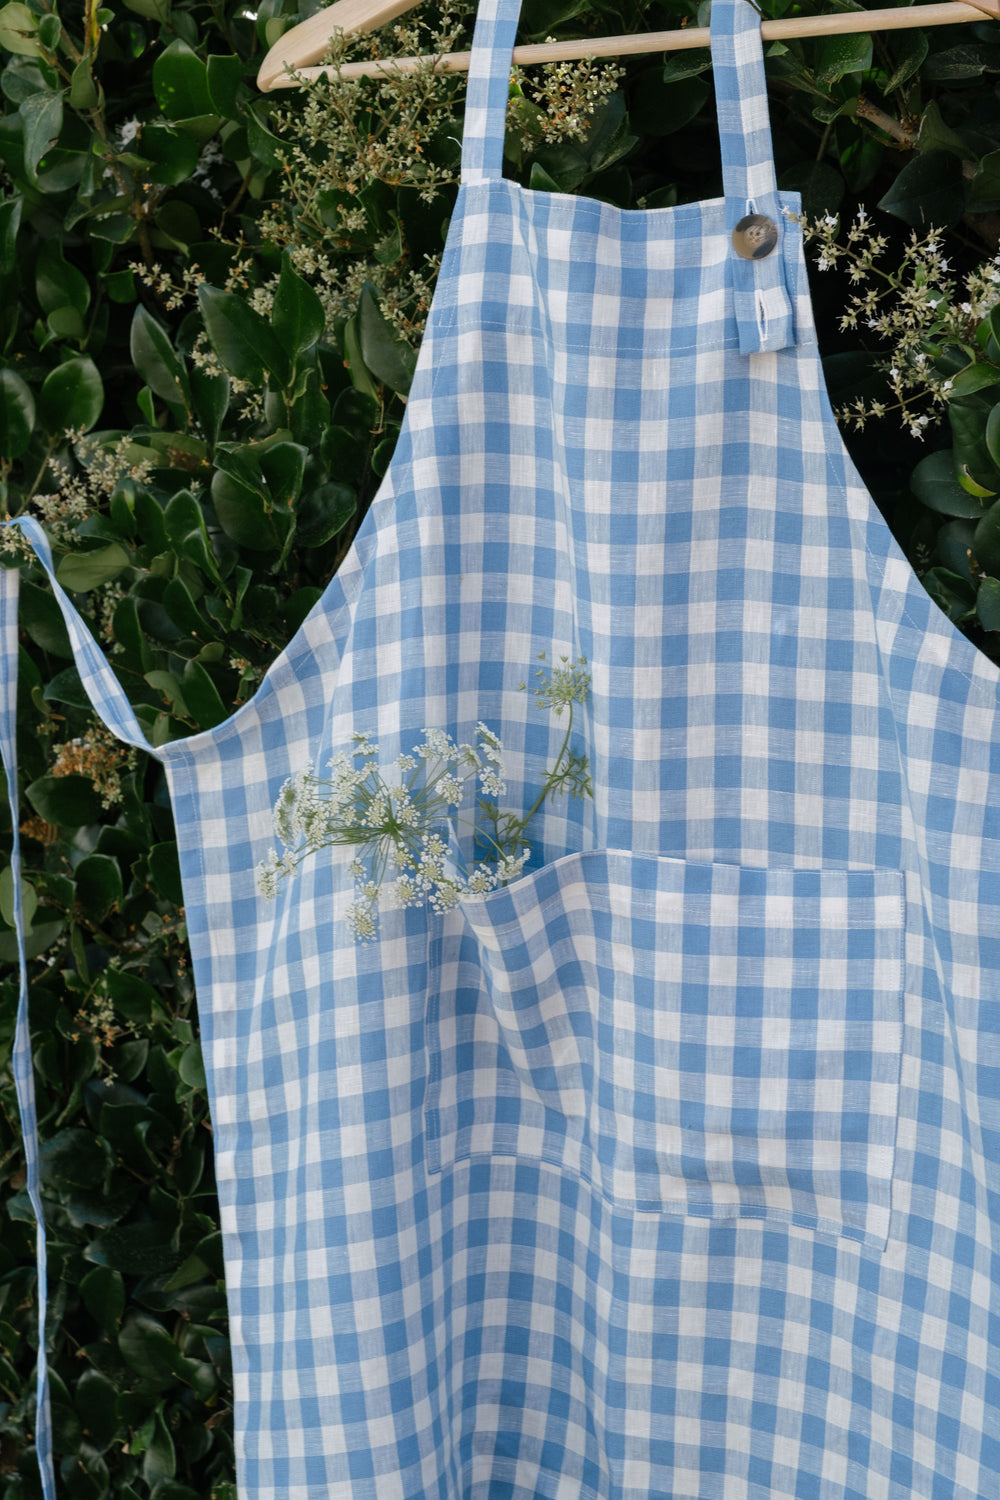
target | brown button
[{"x": 755, "y": 236}]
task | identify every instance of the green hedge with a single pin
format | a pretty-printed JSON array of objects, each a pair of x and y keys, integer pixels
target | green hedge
[{"x": 210, "y": 303}]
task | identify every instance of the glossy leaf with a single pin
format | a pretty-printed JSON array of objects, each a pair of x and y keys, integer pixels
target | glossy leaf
[
  {"x": 986, "y": 542},
  {"x": 927, "y": 193},
  {"x": 18, "y": 30},
  {"x": 988, "y": 604},
  {"x": 225, "y": 79},
  {"x": 81, "y": 571},
  {"x": 173, "y": 154},
  {"x": 68, "y": 801},
  {"x": 297, "y": 318},
  {"x": 283, "y": 466},
  {"x": 180, "y": 82},
  {"x": 59, "y": 284},
  {"x": 72, "y": 395},
  {"x": 243, "y": 341},
  {"x": 40, "y": 614},
  {"x": 103, "y": 1292},
  {"x": 95, "y": 1399},
  {"x": 165, "y": 869},
  {"x": 41, "y": 119},
  {"x": 388, "y": 358},
  {"x": 241, "y": 513},
  {"x": 967, "y": 417},
  {"x": 29, "y": 901},
  {"x": 154, "y": 356},
  {"x": 323, "y": 512},
  {"x": 210, "y": 398},
  {"x": 17, "y": 414},
  {"x": 98, "y": 885},
  {"x": 934, "y": 483}
]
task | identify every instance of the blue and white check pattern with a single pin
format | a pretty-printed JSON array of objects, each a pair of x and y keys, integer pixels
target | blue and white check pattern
[{"x": 671, "y": 1169}]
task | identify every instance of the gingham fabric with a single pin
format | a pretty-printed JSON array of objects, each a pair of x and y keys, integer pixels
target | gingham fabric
[{"x": 669, "y": 1171}]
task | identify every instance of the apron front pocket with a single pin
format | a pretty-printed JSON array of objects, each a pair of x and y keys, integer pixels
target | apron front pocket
[{"x": 697, "y": 1039}]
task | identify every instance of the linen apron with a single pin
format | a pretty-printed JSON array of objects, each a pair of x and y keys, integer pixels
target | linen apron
[{"x": 670, "y": 1169}]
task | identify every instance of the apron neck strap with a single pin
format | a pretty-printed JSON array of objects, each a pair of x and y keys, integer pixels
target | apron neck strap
[
  {"x": 737, "y": 67},
  {"x": 763, "y": 304}
]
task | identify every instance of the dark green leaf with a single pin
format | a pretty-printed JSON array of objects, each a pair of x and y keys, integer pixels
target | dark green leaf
[
  {"x": 181, "y": 608},
  {"x": 128, "y": 632},
  {"x": 192, "y": 1067},
  {"x": 135, "y": 1249},
  {"x": 17, "y": 414},
  {"x": 180, "y": 82},
  {"x": 388, "y": 358},
  {"x": 992, "y": 434},
  {"x": 57, "y": 283},
  {"x": 935, "y": 135},
  {"x": 66, "y": 687},
  {"x": 982, "y": 193},
  {"x": 659, "y": 109},
  {"x": 909, "y": 48},
  {"x": 986, "y": 543},
  {"x": 73, "y": 1158},
  {"x": 988, "y": 604},
  {"x": 265, "y": 147},
  {"x": 297, "y": 318},
  {"x": 136, "y": 1000},
  {"x": 10, "y": 222},
  {"x": 950, "y": 593},
  {"x": 836, "y": 55},
  {"x": 173, "y": 154},
  {"x": 72, "y": 395},
  {"x": 95, "y": 1398},
  {"x": 967, "y": 417},
  {"x": 165, "y": 870},
  {"x": 283, "y": 466},
  {"x": 68, "y": 801},
  {"x": 159, "y": 1460},
  {"x": 323, "y": 512},
  {"x": 934, "y": 484},
  {"x": 154, "y": 356},
  {"x": 927, "y": 194},
  {"x": 98, "y": 885},
  {"x": 241, "y": 513},
  {"x": 42, "y": 117},
  {"x": 103, "y": 1293},
  {"x": 80, "y": 571},
  {"x": 202, "y": 698},
  {"x": 42, "y": 619},
  {"x": 225, "y": 79},
  {"x": 821, "y": 186},
  {"x": 967, "y": 60},
  {"x": 210, "y": 398},
  {"x": 243, "y": 341}
]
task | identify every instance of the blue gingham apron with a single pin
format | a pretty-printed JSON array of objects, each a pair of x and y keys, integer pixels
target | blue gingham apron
[{"x": 670, "y": 1169}]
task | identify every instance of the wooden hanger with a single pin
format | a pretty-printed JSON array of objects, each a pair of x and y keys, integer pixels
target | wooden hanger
[{"x": 302, "y": 47}]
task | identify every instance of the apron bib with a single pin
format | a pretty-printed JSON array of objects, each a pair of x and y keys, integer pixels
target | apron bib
[{"x": 668, "y": 1169}]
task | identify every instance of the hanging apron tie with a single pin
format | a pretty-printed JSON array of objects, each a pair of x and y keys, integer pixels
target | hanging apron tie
[{"x": 111, "y": 704}]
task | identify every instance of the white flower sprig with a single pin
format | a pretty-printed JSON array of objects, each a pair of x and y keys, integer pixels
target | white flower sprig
[
  {"x": 401, "y": 828},
  {"x": 916, "y": 307}
]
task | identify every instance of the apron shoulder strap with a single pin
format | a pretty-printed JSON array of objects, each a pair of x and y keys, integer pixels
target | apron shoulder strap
[{"x": 763, "y": 246}]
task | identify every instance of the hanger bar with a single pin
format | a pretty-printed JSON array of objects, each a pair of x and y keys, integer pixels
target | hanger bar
[{"x": 302, "y": 47}]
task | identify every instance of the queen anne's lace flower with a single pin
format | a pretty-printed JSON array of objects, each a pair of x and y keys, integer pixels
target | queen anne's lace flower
[{"x": 403, "y": 831}]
